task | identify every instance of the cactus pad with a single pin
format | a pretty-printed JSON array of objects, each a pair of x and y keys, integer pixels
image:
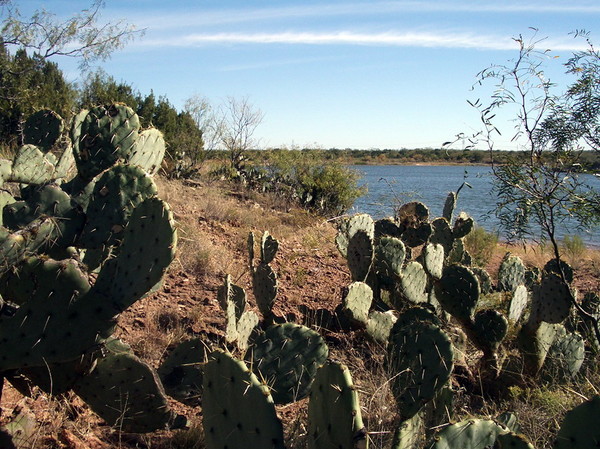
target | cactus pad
[
  {"x": 268, "y": 248},
  {"x": 462, "y": 226},
  {"x": 334, "y": 418},
  {"x": 107, "y": 136},
  {"x": 412, "y": 285},
  {"x": 553, "y": 302},
  {"x": 420, "y": 362},
  {"x": 469, "y": 434},
  {"x": 390, "y": 253},
  {"x": 449, "y": 206},
  {"x": 518, "y": 303},
  {"x": 357, "y": 302},
  {"x": 348, "y": 228},
  {"x": 31, "y": 166},
  {"x": 511, "y": 273},
  {"x": 264, "y": 286},
  {"x": 433, "y": 259},
  {"x": 360, "y": 255},
  {"x": 287, "y": 357},
  {"x": 579, "y": 429},
  {"x": 43, "y": 129},
  {"x": 181, "y": 371},
  {"x": 238, "y": 410},
  {"x": 458, "y": 291},
  {"x": 113, "y": 198},
  {"x": 490, "y": 328},
  {"x": 126, "y": 393},
  {"x": 379, "y": 325},
  {"x": 148, "y": 151}
]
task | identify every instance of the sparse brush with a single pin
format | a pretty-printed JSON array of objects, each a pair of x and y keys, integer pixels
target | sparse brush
[
  {"x": 573, "y": 248},
  {"x": 481, "y": 245}
]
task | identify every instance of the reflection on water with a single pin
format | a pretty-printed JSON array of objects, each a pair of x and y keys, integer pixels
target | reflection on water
[{"x": 392, "y": 185}]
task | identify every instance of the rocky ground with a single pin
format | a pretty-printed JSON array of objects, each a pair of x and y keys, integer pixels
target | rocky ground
[{"x": 214, "y": 223}]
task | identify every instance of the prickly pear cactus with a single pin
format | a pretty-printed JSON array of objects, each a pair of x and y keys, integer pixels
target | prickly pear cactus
[
  {"x": 238, "y": 410},
  {"x": 390, "y": 254},
  {"x": 518, "y": 303},
  {"x": 334, "y": 417},
  {"x": 420, "y": 360},
  {"x": 127, "y": 394},
  {"x": 433, "y": 259},
  {"x": 552, "y": 302},
  {"x": 349, "y": 227},
  {"x": 579, "y": 429},
  {"x": 268, "y": 248},
  {"x": 458, "y": 291},
  {"x": 43, "y": 129},
  {"x": 287, "y": 357},
  {"x": 511, "y": 273},
  {"x": 489, "y": 328},
  {"x": 360, "y": 254},
  {"x": 181, "y": 372},
  {"x": 411, "y": 286},
  {"x": 469, "y": 434},
  {"x": 107, "y": 136},
  {"x": 449, "y": 206},
  {"x": 462, "y": 226},
  {"x": 357, "y": 302},
  {"x": 380, "y": 324},
  {"x": 148, "y": 151}
]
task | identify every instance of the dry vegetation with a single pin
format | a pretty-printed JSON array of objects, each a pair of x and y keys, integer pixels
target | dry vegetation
[{"x": 213, "y": 223}]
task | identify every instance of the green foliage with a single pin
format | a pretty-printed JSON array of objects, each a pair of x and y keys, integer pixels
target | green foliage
[{"x": 481, "y": 245}]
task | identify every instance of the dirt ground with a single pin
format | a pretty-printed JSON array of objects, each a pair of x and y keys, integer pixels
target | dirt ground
[{"x": 213, "y": 231}]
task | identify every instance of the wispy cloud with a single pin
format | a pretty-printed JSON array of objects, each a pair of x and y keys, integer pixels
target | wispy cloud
[
  {"x": 225, "y": 16},
  {"x": 405, "y": 39}
]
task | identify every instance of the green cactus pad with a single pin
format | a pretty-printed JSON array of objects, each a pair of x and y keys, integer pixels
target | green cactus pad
[
  {"x": 148, "y": 151},
  {"x": 409, "y": 434},
  {"x": 268, "y": 248},
  {"x": 357, "y": 302},
  {"x": 469, "y": 434},
  {"x": 518, "y": 303},
  {"x": 18, "y": 245},
  {"x": 379, "y": 325},
  {"x": 484, "y": 278},
  {"x": 360, "y": 255},
  {"x": 148, "y": 247},
  {"x": 433, "y": 259},
  {"x": 247, "y": 326},
  {"x": 334, "y": 417},
  {"x": 553, "y": 303},
  {"x": 490, "y": 328},
  {"x": 462, "y": 226},
  {"x": 31, "y": 166},
  {"x": 107, "y": 136},
  {"x": 43, "y": 129},
  {"x": 287, "y": 357},
  {"x": 442, "y": 234},
  {"x": 534, "y": 342},
  {"x": 458, "y": 291},
  {"x": 552, "y": 266},
  {"x": 417, "y": 236},
  {"x": 181, "y": 372},
  {"x": 579, "y": 428},
  {"x": 114, "y": 196},
  {"x": 420, "y": 361},
  {"x": 264, "y": 286},
  {"x": 511, "y": 273},
  {"x": 38, "y": 332},
  {"x": 232, "y": 299},
  {"x": 565, "y": 356},
  {"x": 390, "y": 254},
  {"x": 411, "y": 215},
  {"x": 449, "y": 206},
  {"x": 417, "y": 314},
  {"x": 348, "y": 228},
  {"x": 238, "y": 411},
  {"x": 126, "y": 393},
  {"x": 386, "y": 227},
  {"x": 412, "y": 285},
  {"x": 47, "y": 201}
]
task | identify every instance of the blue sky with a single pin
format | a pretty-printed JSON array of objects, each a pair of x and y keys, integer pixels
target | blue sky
[{"x": 357, "y": 74}]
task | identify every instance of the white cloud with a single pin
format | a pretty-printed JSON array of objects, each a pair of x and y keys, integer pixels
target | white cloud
[
  {"x": 406, "y": 39},
  {"x": 220, "y": 17}
]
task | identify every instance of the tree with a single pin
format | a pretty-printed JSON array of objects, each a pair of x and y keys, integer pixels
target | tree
[
  {"x": 238, "y": 122},
  {"x": 28, "y": 80},
  {"x": 208, "y": 122},
  {"x": 101, "y": 88},
  {"x": 544, "y": 189},
  {"x": 80, "y": 36}
]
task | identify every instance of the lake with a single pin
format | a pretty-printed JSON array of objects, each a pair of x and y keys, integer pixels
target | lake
[{"x": 391, "y": 185}]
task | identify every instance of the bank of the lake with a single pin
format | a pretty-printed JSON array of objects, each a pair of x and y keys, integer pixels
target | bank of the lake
[{"x": 388, "y": 186}]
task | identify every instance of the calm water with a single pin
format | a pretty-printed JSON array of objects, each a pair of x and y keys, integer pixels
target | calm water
[{"x": 392, "y": 185}]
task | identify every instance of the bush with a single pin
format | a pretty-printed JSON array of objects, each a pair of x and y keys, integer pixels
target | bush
[{"x": 481, "y": 244}]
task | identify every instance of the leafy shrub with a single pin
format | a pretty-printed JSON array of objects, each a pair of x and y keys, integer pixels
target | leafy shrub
[{"x": 481, "y": 244}]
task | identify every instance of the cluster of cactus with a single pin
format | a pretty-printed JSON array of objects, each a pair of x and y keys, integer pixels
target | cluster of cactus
[
  {"x": 86, "y": 202},
  {"x": 391, "y": 288}
]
